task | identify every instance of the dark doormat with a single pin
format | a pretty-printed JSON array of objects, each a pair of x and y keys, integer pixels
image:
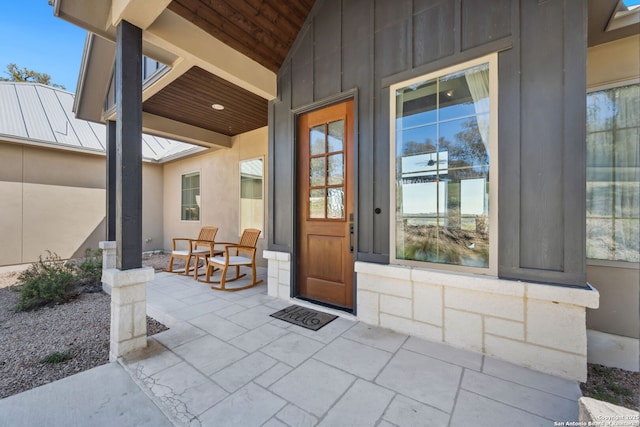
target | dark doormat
[{"x": 305, "y": 317}]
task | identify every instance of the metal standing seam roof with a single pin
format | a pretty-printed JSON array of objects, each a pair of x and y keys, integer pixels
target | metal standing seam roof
[{"x": 35, "y": 113}]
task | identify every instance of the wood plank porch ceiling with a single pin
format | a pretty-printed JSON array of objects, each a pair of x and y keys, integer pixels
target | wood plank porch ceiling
[
  {"x": 189, "y": 98},
  {"x": 263, "y": 30}
]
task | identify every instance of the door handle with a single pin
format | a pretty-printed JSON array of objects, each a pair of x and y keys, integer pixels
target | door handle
[{"x": 351, "y": 237}]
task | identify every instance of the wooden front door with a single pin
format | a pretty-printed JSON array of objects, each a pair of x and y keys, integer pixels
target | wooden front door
[{"x": 325, "y": 205}]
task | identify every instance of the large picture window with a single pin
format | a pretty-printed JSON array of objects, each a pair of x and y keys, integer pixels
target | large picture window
[
  {"x": 443, "y": 170},
  {"x": 190, "y": 205},
  {"x": 613, "y": 174}
]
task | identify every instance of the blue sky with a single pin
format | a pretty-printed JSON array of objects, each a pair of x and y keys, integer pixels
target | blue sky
[{"x": 32, "y": 37}]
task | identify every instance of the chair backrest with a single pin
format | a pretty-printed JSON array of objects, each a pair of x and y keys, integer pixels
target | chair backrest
[
  {"x": 208, "y": 234},
  {"x": 249, "y": 238}
]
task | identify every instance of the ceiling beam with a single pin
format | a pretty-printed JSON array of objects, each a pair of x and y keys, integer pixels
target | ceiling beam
[
  {"x": 161, "y": 126},
  {"x": 194, "y": 45},
  {"x": 140, "y": 13}
]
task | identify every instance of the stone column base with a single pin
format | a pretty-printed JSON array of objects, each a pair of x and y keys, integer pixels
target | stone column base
[
  {"x": 592, "y": 412},
  {"x": 108, "y": 260},
  {"x": 537, "y": 326},
  {"x": 128, "y": 309},
  {"x": 279, "y": 274}
]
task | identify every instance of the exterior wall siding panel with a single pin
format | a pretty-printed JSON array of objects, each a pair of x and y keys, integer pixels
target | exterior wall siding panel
[
  {"x": 385, "y": 42},
  {"x": 540, "y": 187},
  {"x": 483, "y": 22},
  {"x": 439, "y": 19}
]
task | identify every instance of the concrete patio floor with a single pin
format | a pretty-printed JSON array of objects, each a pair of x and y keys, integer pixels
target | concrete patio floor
[{"x": 226, "y": 362}]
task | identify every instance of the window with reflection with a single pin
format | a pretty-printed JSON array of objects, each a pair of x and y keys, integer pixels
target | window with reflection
[
  {"x": 251, "y": 198},
  {"x": 613, "y": 174},
  {"x": 190, "y": 206},
  {"x": 442, "y": 174}
]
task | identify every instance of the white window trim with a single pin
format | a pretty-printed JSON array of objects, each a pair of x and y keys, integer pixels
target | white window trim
[
  {"x": 492, "y": 270},
  {"x": 190, "y": 221},
  {"x": 613, "y": 85},
  {"x": 263, "y": 233}
]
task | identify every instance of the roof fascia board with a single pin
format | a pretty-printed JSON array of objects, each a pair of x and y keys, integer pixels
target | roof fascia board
[
  {"x": 94, "y": 15},
  {"x": 95, "y": 75},
  {"x": 45, "y": 144},
  {"x": 89, "y": 151},
  {"x": 185, "y": 154},
  {"x": 623, "y": 19}
]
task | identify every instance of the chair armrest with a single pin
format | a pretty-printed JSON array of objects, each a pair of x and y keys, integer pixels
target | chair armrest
[
  {"x": 204, "y": 243},
  {"x": 177, "y": 239},
  {"x": 226, "y": 243},
  {"x": 211, "y": 244},
  {"x": 252, "y": 249}
]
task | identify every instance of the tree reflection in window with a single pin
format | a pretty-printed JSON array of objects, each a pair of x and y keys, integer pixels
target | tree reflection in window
[{"x": 442, "y": 169}]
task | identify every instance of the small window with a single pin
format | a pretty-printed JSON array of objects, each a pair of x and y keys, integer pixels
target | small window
[
  {"x": 191, "y": 197},
  {"x": 444, "y": 176},
  {"x": 251, "y": 194},
  {"x": 613, "y": 174}
]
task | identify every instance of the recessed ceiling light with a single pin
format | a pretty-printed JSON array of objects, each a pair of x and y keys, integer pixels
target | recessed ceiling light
[{"x": 217, "y": 107}]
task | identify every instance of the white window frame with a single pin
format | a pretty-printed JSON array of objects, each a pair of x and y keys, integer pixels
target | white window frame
[
  {"x": 492, "y": 269},
  {"x": 262, "y": 234},
  {"x": 199, "y": 172},
  {"x": 606, "y": 262}
]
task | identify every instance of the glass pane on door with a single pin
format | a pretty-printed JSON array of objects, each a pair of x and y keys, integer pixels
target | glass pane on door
[
  {"x": 335, "y": 142},
  {"x": 316, "y": 140}
]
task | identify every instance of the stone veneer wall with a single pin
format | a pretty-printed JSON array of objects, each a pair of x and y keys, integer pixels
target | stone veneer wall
[
  {"x": 279, "y": 274},
  {"x": 538, "y": 326}
]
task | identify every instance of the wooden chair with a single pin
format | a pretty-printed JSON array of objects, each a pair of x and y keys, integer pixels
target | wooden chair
[
  {"x": 202, "y": 247},
  {"x": 236, "y": 255}
]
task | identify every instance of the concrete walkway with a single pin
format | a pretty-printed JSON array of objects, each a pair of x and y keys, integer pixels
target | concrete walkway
[
  {"x": 226, "y": 362},
  {"x": 102, "y": 396}
]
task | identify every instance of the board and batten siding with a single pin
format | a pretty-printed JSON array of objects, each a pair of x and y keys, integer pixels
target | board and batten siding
[{"x": 361, "y": 47}]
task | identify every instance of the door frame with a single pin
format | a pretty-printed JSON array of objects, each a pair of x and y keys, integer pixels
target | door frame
[{"x": 296, "y": 113}]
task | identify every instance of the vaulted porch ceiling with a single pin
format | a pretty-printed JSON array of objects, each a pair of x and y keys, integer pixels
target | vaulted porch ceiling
[{"x": 264, "y": 30}]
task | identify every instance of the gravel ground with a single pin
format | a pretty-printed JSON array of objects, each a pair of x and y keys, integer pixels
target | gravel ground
[
  {"x": 613, "y": 385},
  {"x": 79, "y": 329},
  {"x": 160, "y": 261}
]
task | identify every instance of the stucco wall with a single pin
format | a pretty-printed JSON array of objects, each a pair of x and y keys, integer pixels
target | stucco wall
[
  {"x": 219, "y": 190},
  {"x": 152, "y": 206},
  {"x": 613, "y": 62},
  {"x": 54, "y": 199},
  {"x": 618, "y": 282},
  {"x": 619, "y": 311}
]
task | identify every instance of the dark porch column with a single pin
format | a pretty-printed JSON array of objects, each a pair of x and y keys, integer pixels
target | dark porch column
[
  {"x": 128, "y": 80},
  {"x": 111, "y": 181}
]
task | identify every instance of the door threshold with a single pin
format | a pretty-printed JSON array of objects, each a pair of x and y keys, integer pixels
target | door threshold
[{"x": 323, "y": 308}]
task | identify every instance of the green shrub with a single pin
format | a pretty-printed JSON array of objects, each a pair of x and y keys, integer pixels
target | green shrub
[
  {"x": 89, "y": 271},
  {"x": 58, "y": 357},
  {"x": 50, "y": 280}
]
